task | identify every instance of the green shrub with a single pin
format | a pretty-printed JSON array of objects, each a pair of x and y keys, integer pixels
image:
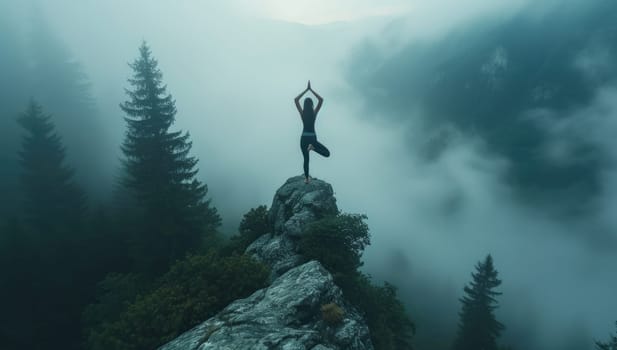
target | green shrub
[
  {"x": 338, "y": 242},
  {"x": 114, "y": 293},
  {"x": 332, "y": 313},
  {"x": 385, "y": 314},
  {"x": 254, "y": 224},
  {"x": 193, "y": 290}
]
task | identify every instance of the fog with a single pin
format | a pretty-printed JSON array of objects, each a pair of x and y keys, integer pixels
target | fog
[{"x": 428, "y": 116}]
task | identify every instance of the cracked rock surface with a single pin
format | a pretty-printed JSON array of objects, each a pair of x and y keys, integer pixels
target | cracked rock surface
[{"x": 287, "y": 314}]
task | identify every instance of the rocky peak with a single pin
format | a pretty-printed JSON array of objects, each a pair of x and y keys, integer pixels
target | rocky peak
[
  {"x": 297, "y": 204},
  {"x": 290, "y": 313}
]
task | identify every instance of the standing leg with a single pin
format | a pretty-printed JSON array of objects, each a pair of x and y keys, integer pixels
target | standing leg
[
  {"x": 321, "y": 149},
  {"x": 304, "y": 142}
]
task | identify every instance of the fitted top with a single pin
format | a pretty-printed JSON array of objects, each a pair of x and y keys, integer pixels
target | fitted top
[{"x": 309, "y": 123}]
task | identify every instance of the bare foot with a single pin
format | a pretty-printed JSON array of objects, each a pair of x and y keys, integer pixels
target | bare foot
[
  {"x": 307, "y": 179},
  {"x": 310, "y": 147}
]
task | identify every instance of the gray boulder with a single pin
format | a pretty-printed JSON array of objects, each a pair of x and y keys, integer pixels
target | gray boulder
[
  {"x": 286, "y": 316},
  {"x": 295, "y": 205},
  {"x": 277, "y": 252}
]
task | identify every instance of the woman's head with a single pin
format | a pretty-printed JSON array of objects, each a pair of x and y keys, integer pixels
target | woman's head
[
  {"x": 308, "y": 111},
  {"x": 308, "y": 104}
]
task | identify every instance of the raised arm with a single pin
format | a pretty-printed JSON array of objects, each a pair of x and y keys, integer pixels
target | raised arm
[
  {"x": 319, "y": 99},
  {"x": 297, "y": 99}
]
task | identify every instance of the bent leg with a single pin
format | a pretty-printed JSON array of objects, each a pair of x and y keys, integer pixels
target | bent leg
[{"x": 321, "y": 149}]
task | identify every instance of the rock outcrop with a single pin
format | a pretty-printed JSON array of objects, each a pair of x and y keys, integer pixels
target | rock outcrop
[
  {"x": 286, "y": 315},
  {"x": 295, "y": 205}
]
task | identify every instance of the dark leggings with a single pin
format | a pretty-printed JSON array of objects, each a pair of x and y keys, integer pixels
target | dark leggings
[{"x": 317, "y": 147}]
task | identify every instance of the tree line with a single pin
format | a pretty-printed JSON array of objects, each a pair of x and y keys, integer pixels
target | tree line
[{"x": 57, "y": 249}]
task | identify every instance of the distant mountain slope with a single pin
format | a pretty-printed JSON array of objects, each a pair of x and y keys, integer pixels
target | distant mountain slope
[{"x": 509, "y": 83}]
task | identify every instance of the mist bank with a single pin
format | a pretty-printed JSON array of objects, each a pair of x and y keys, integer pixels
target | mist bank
[
  {"x": 505, "y": 121},
  {"x": 486, "y": 129}
]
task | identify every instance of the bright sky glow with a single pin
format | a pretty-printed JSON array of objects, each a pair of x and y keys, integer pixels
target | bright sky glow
[{"x": 316, "y": 12}]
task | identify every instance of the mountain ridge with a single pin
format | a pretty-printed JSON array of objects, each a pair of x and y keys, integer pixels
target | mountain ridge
[{"x": 288, "y": 314}]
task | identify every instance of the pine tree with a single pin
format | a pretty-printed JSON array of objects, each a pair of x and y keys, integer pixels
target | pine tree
[
  {"x": 53, "y": 203},
  {"x": 478, "y": 327},
  {"x": 53, "y": 238},
  {"x": 610, "y": 345},
  {"x": 160, "y": 173}
]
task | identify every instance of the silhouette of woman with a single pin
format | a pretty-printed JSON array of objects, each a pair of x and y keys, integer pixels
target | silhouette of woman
[{"x": 308, "y": 140}]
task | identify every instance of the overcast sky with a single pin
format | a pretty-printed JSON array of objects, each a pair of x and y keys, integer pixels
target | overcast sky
[{"x": 234, "y": 68}]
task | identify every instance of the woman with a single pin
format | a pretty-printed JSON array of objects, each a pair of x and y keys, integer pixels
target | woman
[{"x": 308, "y": 140}]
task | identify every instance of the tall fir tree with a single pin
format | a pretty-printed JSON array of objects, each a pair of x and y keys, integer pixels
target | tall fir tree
[
  {"x": 54, "y": 236},
  {"x": 478, "y": 327},
  {"x": 160, "y": 174},
  {"x": 53, "y": 202}
]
